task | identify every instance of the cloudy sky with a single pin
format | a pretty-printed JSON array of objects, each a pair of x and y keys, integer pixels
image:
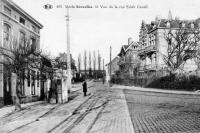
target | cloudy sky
[{"x": 99, "y": 28}]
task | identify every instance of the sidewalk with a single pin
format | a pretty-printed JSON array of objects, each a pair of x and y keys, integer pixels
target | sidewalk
[
  {"x": 9, "y": 109},
  {"x": 115, "y": 118},
  {"x": 197, "y": 93}
]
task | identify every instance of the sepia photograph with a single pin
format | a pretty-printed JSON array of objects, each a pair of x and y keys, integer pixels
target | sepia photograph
[{"x": 99, "y": 66}]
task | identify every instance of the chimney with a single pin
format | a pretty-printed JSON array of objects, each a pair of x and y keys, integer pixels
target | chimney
[
  {"x": 170, "y": 15},
  {"x": 130, "y": 40}
]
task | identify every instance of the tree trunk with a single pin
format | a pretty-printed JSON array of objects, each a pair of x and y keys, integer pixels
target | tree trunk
[{"x": 17, "y": 96}]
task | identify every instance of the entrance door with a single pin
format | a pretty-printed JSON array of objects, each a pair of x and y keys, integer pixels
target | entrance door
[
  {"x": 7, "y": 90},
  {"x": 42, "y": 95}
]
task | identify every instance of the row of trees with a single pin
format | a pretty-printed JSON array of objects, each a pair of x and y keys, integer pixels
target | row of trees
[{"x": 91, "y": 63}]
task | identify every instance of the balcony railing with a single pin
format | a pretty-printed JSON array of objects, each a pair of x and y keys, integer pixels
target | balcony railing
[
  {"x": 147, "y": 50},
  {"x": 150, "y": 49},
  {"x": 148, "y": 67},
  {"x": 141, "y": 52}
]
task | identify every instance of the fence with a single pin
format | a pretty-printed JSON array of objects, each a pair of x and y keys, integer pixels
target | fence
[{"x": 161, "y": 81}]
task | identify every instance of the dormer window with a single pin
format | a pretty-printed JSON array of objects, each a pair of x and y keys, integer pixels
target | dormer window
[
  {"x": 7, "y": 10},
  {"x": 22, "y": 20},
  {"x": 183, "y": 25},
  {"x": 168, "y": 24},
  {"x": 192, "y": 25}
]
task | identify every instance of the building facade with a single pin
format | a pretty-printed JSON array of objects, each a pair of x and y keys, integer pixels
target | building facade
[
  {"x": 154, "y": 46},
  {"x": 128, "y": 59},
  {"x": 17, "y": 24},
  {"x": 114, "y": 68}
]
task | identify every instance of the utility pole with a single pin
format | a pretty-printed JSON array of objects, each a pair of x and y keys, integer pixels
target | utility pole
[
  {"x": 110, "y": 64},
  {"x": 68, "y": 54}
]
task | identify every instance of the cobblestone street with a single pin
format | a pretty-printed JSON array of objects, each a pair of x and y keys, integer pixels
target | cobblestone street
[{"x": 153, "y": 112}]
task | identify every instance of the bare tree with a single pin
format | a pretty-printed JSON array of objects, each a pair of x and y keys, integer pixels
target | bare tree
[
  {"x": 99, "y": 61},
  {"x": 20, "y": 58},
  {"x": 79, "y": 63},
  {"x": 182, "y": 46},
  {"x": 94, "y": 64},
  {"x": 90, "y": 64},
  {"x": 85, "y": 62}
]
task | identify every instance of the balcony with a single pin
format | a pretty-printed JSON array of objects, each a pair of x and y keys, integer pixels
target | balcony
[
  {"x": 146, "y": 50},
  {"x": 151, "y": 67},
  {"x": 141, "y": 68},
  {"x": 150, "y": 49},
  {"x": 141, "y": 52}
]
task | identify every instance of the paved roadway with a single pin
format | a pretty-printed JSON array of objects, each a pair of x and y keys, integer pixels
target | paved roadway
[{"x": 163, "y": 113}]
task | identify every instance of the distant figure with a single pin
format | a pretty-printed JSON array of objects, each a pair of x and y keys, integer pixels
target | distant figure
[
  {"x": 84, "y": 87},
  {"x": 103, "y": 80}
]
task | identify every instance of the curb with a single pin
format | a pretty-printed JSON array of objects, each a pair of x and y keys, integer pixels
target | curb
[{"x": 157, "y": 91}]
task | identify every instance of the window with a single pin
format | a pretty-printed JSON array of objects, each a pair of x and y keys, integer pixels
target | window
[
  {"x": 7, "y": 10},
  {"x": 29, "y": 82},
  {"x": 6, "y": 33},
  {"x": 34, "y": 28},
  {"x": 33, "y": 83},
  {"x": 38, "y": 80},
  {"x": 183, "y": 25},
  {"x": 22, "y": 38},
  {"x": 22, "y": 84},
  {"x": 192, "y": 25},
  {"x": 33, "y": 42},
  {"x": 21, "y": 20}
]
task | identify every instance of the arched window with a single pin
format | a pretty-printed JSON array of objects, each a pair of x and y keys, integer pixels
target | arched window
[{"x": 6, "y": 34}]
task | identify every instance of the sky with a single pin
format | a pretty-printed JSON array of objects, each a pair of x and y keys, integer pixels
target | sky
[{"x": 96, "y": 29}]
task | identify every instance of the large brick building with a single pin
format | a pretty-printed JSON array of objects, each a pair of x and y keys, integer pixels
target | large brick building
[{"x": 17, "y": 24}]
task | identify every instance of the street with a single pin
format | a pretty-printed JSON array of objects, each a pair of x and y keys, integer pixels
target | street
[
  {"x": 163, "y": 113},
  {"x": 109, "y": 110}
]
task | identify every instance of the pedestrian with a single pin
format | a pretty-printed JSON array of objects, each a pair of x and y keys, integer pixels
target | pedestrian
[
  {"x": 103, "y": 79},
  {"x": 84, "y": 87}
]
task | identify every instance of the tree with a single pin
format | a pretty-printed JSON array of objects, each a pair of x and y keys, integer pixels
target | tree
[
  {"x": 182, "y": 46},
  {"x": 90, "y": 64},
  {"x": 94, "y": 64},
  {"x": 79, "y": 63},
  {"x": 85, "y": 62},
  {"x": 99, "y": 61},
  {"x": 20, "y": 58}
]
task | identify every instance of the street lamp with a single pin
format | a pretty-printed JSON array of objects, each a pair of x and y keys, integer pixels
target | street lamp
[
  {"x": 68, "y": 53},
  {"x": 110, "y": 65}
]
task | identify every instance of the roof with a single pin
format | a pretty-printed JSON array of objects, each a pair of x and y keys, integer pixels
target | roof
[
  {"x": 124, "y": 48},
  {"x": 20, "y": 10},
  {"x": 175, "y": 23},
  {"x": 114, "y": 59}
]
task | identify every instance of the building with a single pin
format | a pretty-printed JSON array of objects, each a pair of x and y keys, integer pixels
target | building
[
  {"x": 18, "y": 24},
  {"x": 153, "y": 44},
  {"x": 114, "y": 68},
  {"x": 128, "y": 59}
]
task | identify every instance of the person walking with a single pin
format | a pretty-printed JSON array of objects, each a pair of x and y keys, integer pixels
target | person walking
[{"x": 84, "y": 87}]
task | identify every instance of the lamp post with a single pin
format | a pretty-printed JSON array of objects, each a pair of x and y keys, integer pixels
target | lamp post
[
  {"x": 68, "y": 53},
  {"x": 110, "y": 65}
]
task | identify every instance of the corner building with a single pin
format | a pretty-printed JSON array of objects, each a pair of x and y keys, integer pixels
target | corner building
[
  {"x": 153, "y": 44},
  {"x": 18, "y": 24}
]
